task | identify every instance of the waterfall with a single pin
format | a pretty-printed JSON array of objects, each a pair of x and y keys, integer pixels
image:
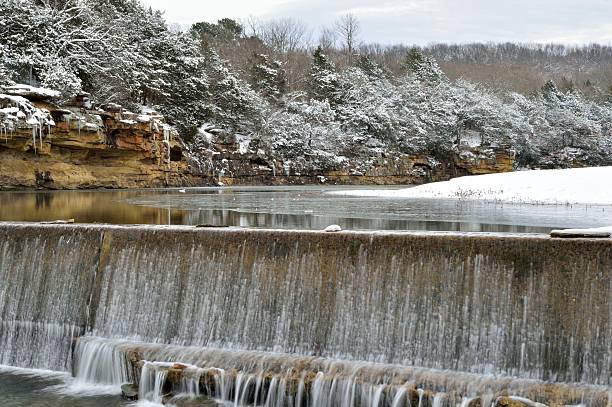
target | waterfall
[
  {"x": 439, "y": 398},
  {"x": 382, "y": 300},
  {"x": 359, "y": 307},
  {"x": 400, "y": 396},
  {"x": 190, "y": 382},
  {"x": 45, "y": 284},
  {"x": 378, "y": 396},
  {"x": 244, "y": 378},
  {"x": 421, "y": 393},
  {"x": 101, "y": 362},
  {"x": 466, "y": 401},
  {"x": 152, "y": 381}
]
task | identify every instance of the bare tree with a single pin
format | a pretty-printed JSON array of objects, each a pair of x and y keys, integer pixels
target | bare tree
[
  {"x": 348, "y": 29},
  {"x": 328, "y": 38},
  {"x": 285, "y": 35},
  {"x": 252, "y": 26}
]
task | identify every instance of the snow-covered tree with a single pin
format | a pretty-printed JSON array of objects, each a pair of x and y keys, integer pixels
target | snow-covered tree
[
  {"x": 5, "y": 74},
  {"x": 268, "y": 76},
  {"x": 429, "y": 71},
  {"x": 186, "y": 100},
  {"x": 368, "y": 105},
  {"x": 323, "y": 82},
  {"x": 413, "y": 59},
  {"x": 122, "y": 52},
  {"x": 305, "y": 131},
  {"x": 234, "y": 104},
  {"x": 371, "y": 68},
  {"x": 60, "y": 77}
]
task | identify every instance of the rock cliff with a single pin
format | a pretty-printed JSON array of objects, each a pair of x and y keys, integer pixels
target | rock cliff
[
  {"x": 237, "y": 160},
  {"x": 43, "y": 145},
  {"x": 46, "y": 146}
]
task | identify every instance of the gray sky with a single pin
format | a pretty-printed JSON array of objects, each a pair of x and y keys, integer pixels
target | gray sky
[{"x": 422, "y": 21}]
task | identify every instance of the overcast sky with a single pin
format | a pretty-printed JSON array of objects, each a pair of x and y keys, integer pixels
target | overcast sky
[{"x": 422, "y": 21}]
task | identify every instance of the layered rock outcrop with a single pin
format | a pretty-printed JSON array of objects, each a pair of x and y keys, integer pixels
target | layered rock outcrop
[
  {"x": 43, "y": 145},
  {"x": 237, "y": 160}
]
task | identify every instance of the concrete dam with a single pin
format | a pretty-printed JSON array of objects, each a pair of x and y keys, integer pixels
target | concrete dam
[{"x": 298, "y": 318}]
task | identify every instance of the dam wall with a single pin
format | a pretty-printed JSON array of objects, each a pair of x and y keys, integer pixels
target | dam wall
[{"x": 526, "y": 306}]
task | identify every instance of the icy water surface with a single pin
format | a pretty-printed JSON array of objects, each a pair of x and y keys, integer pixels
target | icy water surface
[
  {"x": 292, "y": 208},
  {"x": 21, "y": 388}
]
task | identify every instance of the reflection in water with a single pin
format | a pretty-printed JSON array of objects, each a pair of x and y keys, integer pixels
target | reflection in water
[{"x": 293, "y": 208}]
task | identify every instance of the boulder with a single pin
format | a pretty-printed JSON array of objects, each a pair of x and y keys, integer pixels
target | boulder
[{"x": 129, "y": 391}]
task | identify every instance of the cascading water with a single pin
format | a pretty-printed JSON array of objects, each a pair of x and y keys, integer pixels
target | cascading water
[
  {"x": 152, "y": 381},
  {"x": 529, "y": 307},
  {"x": 45, "y": 283},
  {"x": 101, "y": 362},
  {"x": 259, "y": 378}
]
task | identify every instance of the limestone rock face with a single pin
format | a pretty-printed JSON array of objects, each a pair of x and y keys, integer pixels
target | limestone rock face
[
  {"x": 233, "y": 161},
  {"x": 46, "y": 146},
  {"x": 478, "y": 161}
]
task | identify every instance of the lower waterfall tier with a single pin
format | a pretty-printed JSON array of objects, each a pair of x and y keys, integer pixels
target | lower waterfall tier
[{"x": 278, "y": 380}]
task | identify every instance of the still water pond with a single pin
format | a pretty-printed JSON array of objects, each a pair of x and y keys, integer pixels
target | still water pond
[{"x": 292, "y": 208}]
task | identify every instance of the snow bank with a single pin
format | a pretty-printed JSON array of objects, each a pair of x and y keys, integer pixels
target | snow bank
[
  {"x": 557, "y": 187},
  {"x": 28, "y": 91}
]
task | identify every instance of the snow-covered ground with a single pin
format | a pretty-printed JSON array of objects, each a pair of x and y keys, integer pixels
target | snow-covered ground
[{"x": 558, "y": 187}]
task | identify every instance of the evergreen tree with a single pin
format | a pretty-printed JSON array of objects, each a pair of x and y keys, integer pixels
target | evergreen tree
[
  {"x": 413, "y": 60},
  {"x": 551, "y": 93},
  {"x": 323, "y": 81},
  {"x": 223, "y": 32},
  {"x": 61, "y": 77},
  {"x": 429, "y": 71},
  {"x": 268, "y": 77},
  {"x": 5, "y": 74},
  {"x": 369, "y": 106},
  {"x": 187, "y": 98},
  {"x": 371, "y": 68},
  {"x": 234, "y": 104},
  {"x": 5, "y": 78}
]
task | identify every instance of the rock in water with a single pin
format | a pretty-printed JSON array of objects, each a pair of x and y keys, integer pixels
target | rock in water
[
  {"x": 59, "y": 222},
  {"x": 604, "y": 232},
  {"x": 201, "y": 401},
  {"x": 516, "y": 402},
  {"x": 333, "y": 228},
  {"x": 129, "y": 391}
]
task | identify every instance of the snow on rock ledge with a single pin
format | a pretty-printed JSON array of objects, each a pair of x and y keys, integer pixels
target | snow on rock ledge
[
  {"x": 31, "y": 92},
  {"x": 44, "y": 145},
  {"x": 557, "y": 187}
]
